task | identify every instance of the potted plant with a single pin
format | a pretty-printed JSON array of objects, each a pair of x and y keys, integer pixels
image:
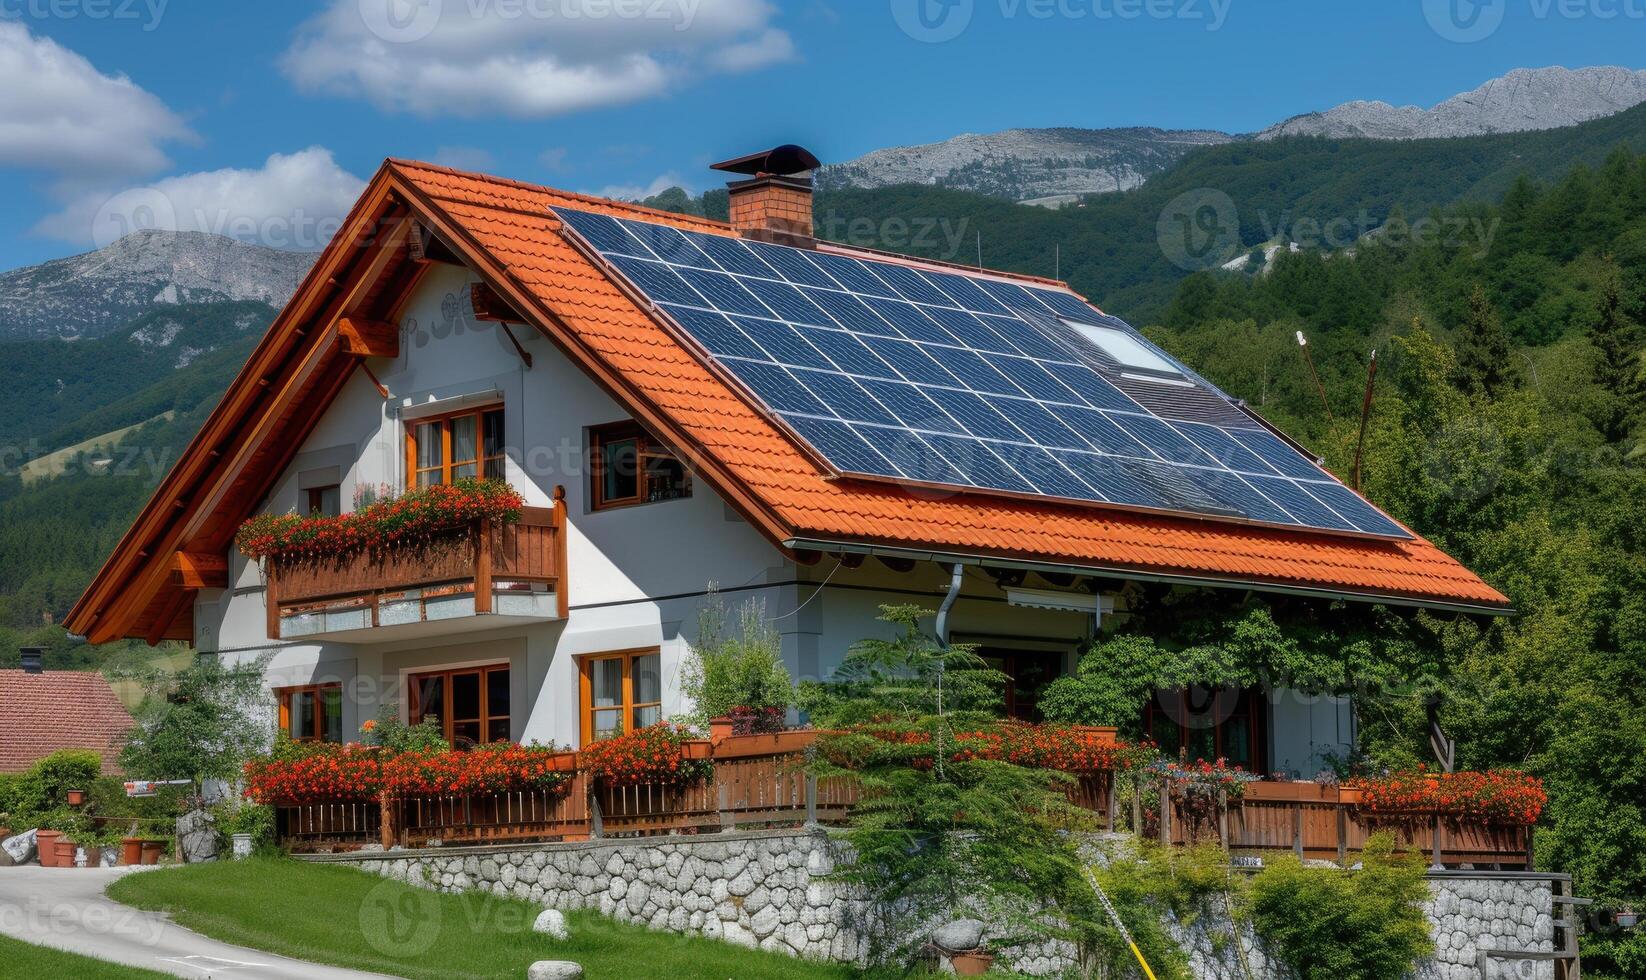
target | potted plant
[
  {"x": 131, "y": 850},
  {"x": 45, "y": 841},
  {"x": 77, "y": 797}
]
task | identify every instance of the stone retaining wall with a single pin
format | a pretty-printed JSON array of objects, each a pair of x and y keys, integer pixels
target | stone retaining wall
[{"x": 767, "y": 890}]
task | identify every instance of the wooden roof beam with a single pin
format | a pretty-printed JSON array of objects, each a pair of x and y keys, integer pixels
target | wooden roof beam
[{"x": 192, "y": 570}]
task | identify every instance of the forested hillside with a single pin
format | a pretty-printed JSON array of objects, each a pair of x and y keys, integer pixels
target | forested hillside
[{"x": 1507, "y": 425}]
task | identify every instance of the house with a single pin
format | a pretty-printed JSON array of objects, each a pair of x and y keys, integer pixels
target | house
[
  {"x": 49, "y": 710},
  {"x": 686, "y": 404}
]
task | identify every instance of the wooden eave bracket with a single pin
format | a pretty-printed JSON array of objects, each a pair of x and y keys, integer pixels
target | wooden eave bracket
[
  {"x": 368, "y": 338},
  {"x": 193, "y": 570}
]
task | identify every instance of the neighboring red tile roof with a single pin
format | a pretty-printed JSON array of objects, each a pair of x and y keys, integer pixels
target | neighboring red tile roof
[
  {"x": 58, "y": 709},
  {"x": 512, "y": 223}
]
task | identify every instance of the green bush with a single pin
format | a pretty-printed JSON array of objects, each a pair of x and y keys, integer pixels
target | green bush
[
  {"x": 741, "y": 669},
  {"x": 1144, "y": 887},
  {"x": 1345, "y": 925},
  {"x": 26, "y": 796},
  {"x": 237, "y": 816},
  {"x": 387, "y": 732}
]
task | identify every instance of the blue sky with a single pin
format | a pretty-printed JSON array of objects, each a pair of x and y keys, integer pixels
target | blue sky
[{"x": 262, "y": 118}]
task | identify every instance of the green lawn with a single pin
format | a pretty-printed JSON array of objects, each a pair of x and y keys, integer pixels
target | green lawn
[
  {"x": 338, "y": 915},
  {"x": 20, "y": 959}
]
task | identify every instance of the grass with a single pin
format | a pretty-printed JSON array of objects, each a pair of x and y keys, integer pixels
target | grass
[
  {"x": 20, "y": 959},
  {"x": 348, "y": 918}
]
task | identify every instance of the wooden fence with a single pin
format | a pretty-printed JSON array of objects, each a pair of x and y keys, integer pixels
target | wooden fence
[{"x": 761, "y": 781}]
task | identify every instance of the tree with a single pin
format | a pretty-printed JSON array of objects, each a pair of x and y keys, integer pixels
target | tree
[
  {"x": 201, "y": 723},
  {"x": 1617, "y": 342},
  {"x": 1485, "y": 360}
]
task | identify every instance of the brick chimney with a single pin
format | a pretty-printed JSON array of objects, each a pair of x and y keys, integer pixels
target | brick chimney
[{"x": 774, "y": 203}]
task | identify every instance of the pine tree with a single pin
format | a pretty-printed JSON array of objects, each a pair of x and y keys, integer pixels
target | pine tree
[
  {"x": 1485, "y": 359},
  {"x": 1617, "y": 340}
]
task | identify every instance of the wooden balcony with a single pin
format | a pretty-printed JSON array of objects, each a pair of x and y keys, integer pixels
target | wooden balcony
[{"x": 477, "y": 576}]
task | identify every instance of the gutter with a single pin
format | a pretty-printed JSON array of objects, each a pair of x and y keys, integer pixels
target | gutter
[{"x": 1256, "y": 585}]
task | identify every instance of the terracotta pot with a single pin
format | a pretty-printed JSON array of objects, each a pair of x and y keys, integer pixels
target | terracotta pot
[
  {"x": 1351, "y": 795},
  {"x": 77, "y": 797},
  {"x": 65, "y": 852},
  {"x": 973, "y": 964},
  {"x": 697, "y": 750},
  {"x": 131, "y": 850},
  {"x": 152, "y": 849},
  {"x": 46, "y": 843},
  {"x": 720, "y": 728}
]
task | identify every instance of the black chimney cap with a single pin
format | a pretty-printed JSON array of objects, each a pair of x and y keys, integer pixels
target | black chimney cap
[
  {"x": 782, "y": 161},
  {"x": 32, "y": 658}
]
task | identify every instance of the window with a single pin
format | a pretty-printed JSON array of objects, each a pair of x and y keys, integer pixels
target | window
[
  {"x": 1205, "y": 724},
  {"x": 630, "y": 467},
  {"x": 1129, "y": 351},
  {"x": 621, "y": 692},
  {"x": 451, "y": 447},
  {"x": 313, "y": 713},
  {"x": 324, "y": 501},
  {"x": 471, "y": 703}
]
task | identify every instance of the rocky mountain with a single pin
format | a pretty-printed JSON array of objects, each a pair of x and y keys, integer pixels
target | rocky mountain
[
  {"x": 97, "y": 293},
  {"x": 1524, "y": 99},
  {"x": 1032, "y": 166}
]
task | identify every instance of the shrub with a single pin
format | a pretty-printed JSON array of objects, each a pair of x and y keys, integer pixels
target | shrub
[
  {"x": 1345, "y": 925},
  {"x": 390, "y": 733},
  {"x": 741, "y": 673},
  {"x": 200, "y": 723},
  {"x": 654, "y": 754},
  {"x": 1145, "y": 887}
]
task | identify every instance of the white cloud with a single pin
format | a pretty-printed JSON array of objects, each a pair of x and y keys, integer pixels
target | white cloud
[
  {"x": 636, "y": 192},
  {"x": 294, "y": 201},
  {"x": 526, "y": 58},
  {"x": 62, "y": 116}
]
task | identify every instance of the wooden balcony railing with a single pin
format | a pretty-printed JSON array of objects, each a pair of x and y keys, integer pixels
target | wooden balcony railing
[
  {"x": 476, "y": 569},
  {"x": 761, "y": 781}
]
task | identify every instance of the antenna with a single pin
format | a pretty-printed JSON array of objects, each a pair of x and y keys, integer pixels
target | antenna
[
  {"x": 1365, "y": 416},
  {"x": 980, "y": 248},
  {"x": 1057, "y": 261},
  {"x": 1303, "y": 342}
]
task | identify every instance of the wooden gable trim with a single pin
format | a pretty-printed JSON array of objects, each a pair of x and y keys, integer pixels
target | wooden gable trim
[
  {"x": 107, "y": 608},
  {"x": 570, "y": 343}
]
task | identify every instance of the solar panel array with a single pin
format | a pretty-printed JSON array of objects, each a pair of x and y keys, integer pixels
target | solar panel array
[{"x": 915, "y": 374}]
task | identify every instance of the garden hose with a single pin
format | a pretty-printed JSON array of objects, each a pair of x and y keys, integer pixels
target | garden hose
[{"x": 1114, "y": 917}]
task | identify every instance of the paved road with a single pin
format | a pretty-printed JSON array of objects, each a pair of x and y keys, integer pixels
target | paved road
[{"x": 66, "y": 908}]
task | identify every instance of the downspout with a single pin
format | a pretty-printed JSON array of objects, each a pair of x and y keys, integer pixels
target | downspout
[{"x": 958, "y": 570}]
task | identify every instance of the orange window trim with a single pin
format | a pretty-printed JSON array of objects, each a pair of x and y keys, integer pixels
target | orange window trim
[
  {"x": 284, "y": 695},
  {"x": 443, "y": 469},
  {"x": 585, "y": 672}
]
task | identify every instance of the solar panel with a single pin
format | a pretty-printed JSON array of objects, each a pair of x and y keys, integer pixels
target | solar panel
[{"x": 890, "y": 371}]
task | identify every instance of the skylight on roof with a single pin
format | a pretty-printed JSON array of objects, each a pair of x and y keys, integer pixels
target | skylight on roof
[{"x": 1124, "y": 348}]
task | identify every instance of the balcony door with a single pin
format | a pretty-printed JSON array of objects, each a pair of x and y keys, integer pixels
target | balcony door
[
  {"x": 471, "y": 703},
  {"x": 1028, "y": 672},
  {"x": 1207, "y": 724}
]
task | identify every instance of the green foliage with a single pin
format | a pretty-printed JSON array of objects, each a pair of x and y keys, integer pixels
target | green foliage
[
  {"x": 239, "y": 816},
  {"x": 1145, "y": 887},
  {"x": 200, "y": 723},
  {"x": 941, "y": 837},
  {"x": 388, "y": 732},
  {"x": 1345, "y": 925},
  {"x": 43, "y": 788},
  {"x": 742, "y": 668},
  {"x": 1484, "y": 360}
]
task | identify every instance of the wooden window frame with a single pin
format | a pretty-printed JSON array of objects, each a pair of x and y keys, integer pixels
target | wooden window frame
[
  {"x": 585, "y": 689},
  {"x": 447, "y": 464},
  {"x": 283, "y": 698},
  {"x": 415, "y": 711},
  {"x": 646, "y": 448}
]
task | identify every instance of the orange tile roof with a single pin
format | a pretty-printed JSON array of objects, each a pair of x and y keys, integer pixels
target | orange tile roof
[
  {"x": 512, "y": 222},
  {"x": 59, "y": 709}
]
